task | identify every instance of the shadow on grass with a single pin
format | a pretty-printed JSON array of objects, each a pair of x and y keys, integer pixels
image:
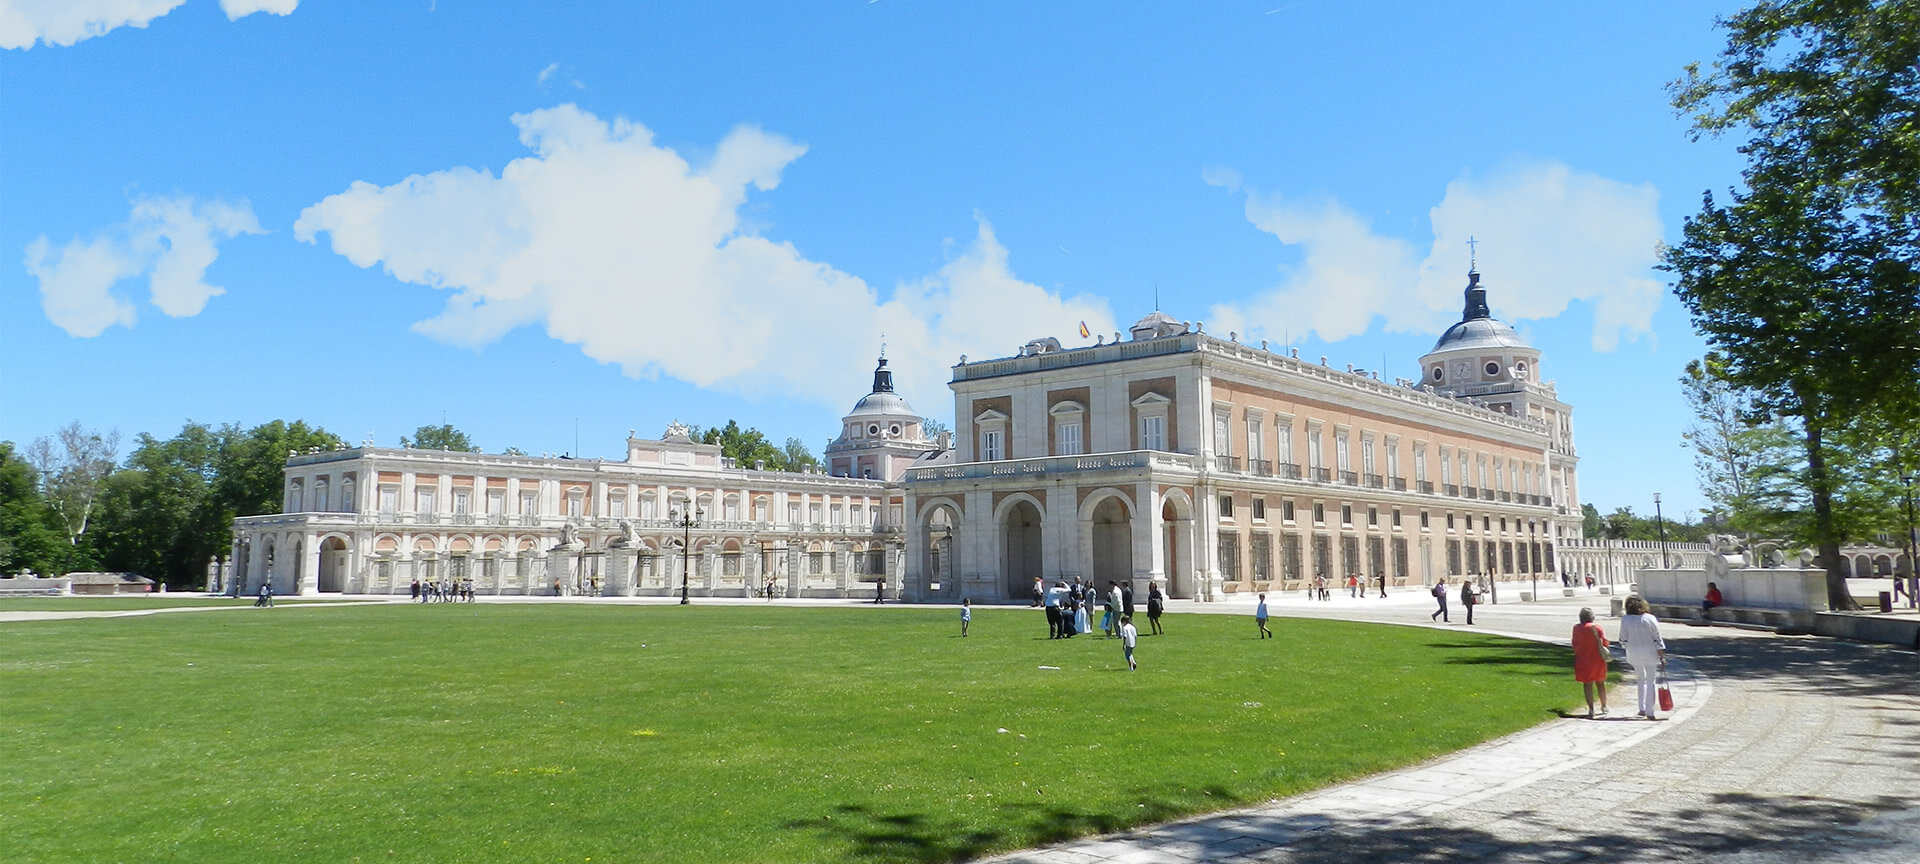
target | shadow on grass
[
  {"x": 1727, "y": 826},
  {"x": 875, "y": 836}
]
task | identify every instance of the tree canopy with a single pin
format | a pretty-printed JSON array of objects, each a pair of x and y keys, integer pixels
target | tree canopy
[
  {"x": 441, "y": 437},
  {"x": 1806, "y": 282}
]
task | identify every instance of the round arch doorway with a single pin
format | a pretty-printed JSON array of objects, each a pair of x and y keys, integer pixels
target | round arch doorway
[
  {"x": 1176, "y": 517},
  {"x": 1112, "y": 529},
  {"x": 1020, "y": 545}
]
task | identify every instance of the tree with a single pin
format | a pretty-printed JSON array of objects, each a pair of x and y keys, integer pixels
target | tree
[
  {"x": 159, "y": 516},
  {"x": 746, "y": 447},
  {"x": 796, "y": 456},
  {"x": 73, "y": 466},
  {"x": 252, "y": 464},
  {"x": 1807, "y": 282},
  {"x": 933, "y": 428},
  {"x": 442, "y": 437},
  {"x": 1590, "y": 520},
  {"x": 31, "y": 535},
  {"x": 1747, "y": 462}
]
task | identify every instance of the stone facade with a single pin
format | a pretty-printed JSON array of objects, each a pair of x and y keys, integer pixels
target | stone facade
[{"x": 1212, "y": 466}]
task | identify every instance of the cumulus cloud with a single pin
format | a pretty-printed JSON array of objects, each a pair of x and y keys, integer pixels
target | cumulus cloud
[
  {"x": 1549, "y": 235},
  {"x": 171, "y": 240},
  {"x": 626, "y": 249},
  {"x": 64, "y": 22}
]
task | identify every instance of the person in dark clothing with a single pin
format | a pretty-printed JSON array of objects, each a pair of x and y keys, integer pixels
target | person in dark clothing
[
  {"x": 1469, "y": 597},
  {"x": 1056, "y": 628},
  {"x": 1126, "y": 599},
  {"x": 1156, "y": 604},
  {"x": 1440, "y": 594}
]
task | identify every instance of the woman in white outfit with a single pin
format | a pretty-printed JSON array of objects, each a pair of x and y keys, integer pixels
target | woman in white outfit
[{"x": 1640, "y": 633}]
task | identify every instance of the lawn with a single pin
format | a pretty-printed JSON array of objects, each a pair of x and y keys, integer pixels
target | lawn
[
  {"x": 571, "y": 732},
  {"x": 125, "y": 602}
]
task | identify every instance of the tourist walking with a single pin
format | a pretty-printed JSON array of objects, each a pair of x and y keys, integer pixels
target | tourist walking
[
  {"x": 1128, "y": 636},
  {"x": 1353, "y": 586},
  {"x": 266, "y": 596},
  {"x": 966, "y": 615},
  {"x": 1156, "y": 604},
  {"x": 1646, "y": 653},
  {"x": 1260, "y": 618},
  {"x": 1440, "y": 594},
  {"x": 1590, "y": 659},
  {"x": 416, "y": 588},
  {"x": 1469, "y": 597}
]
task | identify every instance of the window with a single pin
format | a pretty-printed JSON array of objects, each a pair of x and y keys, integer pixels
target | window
[
  {"x": 1255, "y": 431},
  {"x": 649, "y": 509},
  {"x": 1346, "y": 514},
  {"x": 1153, "y": 433},
  {"x": 1420, "y": 462},
  {"x": 991, "y": 447},
  {"x": 1229, "y": 556},
  {"x": 1373, "y": 516},
  {"x": 1286, "y": 509},
  {"x": 993, "y": 435},
  {"x": 426, "y": 500},
  {"x": 1424, "y": 523},
  {"x": 1493, "y": 369},
  {"x": 1260, "y": 556},
  {"x": 1222, "y": 439},
  {"x": 1366, "y": 453},
  {"x": 617, "y": 505},
  {"x": 814, "y": 511},
  {"x": 1439, "y": 374},
  {"x": 1393, "y": 457},
  {"x": 294, "y": 503},
  {"x": 1449, "y": 521},
  {"x": 347, "y": 502},
  {"x": 1283, "y": 439},
  {"x": 1151, "y": 412},
  {"x": 576, "y": 503},
  {"x": 1068, "y": 423},
  {"x": 793, "y": 513},
  {"x": 732, "y": 506},
  {"x": 1396, "y": 517},
  {"x": 1259, "y": 507},
  {"x": 529, "y": 503},
  {"x": 320, "y": 495},
  {"x": 1319, "y": 513},
  {"x": 1226, "y": 506},
  {"x": 1067, "y": 439},
  {"x": 496, "y": 501},
  {"x": 761, "y": 506},
  {"x": 462, "y": 501},
  {"x": 1342, "y": 452}
]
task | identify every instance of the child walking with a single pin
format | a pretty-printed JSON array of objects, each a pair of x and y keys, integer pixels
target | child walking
[
  {"x": 1260, "y": 618},
  {"x": 1128, "y": 636},
  {"x": 966, "y": 615}
]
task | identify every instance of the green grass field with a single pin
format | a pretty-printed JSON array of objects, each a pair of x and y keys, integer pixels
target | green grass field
[
  {"x": 578, "y": 733},
  {"x": 126, "y": 602}
]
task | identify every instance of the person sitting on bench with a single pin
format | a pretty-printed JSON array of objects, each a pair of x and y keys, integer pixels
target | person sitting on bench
[{"x": 1713, "y": 600}]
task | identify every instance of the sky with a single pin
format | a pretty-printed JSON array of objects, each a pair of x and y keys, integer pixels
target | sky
[{"x": 550, "y": 224}]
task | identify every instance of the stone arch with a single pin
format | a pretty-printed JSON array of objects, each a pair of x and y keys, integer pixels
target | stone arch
[
  {"x": 336, "y": 552},
  {"x": 460, "y": 543},
  {"x": 1019, "y": 524},
  {"x": 1109, "y": 528},
  {"x": 424, "y": 545},
  {"x": 494, "y": 543},
  {"x": 938, "y": 575},
  {"x": 1883, "y": 565},
  {"x": 526, "y": 544},
  {"x": 1178, "y": 542}
]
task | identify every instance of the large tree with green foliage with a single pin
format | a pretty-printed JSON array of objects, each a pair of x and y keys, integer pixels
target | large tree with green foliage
[
  {"x": 31, "y": 535},
  {"x": 74, "y": 464},
  {"x": 1807, "y": 281}
]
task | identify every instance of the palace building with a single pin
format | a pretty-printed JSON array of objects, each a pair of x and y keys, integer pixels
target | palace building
[
  {"x": 1172, "y": 456},
  {"x": 1211, "y": 466}
]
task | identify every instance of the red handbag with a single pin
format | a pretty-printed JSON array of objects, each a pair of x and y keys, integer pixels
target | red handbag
[{"x": 1666, "y": 695}]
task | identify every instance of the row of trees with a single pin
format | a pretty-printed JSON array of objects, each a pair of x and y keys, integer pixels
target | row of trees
[
  {"x": 69, "y": 503},
  {"x": 1805, "y": 282}
]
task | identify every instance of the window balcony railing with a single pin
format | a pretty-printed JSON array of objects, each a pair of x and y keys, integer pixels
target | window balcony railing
[
  {"x": 1486, "y": 494},
  {"x": 1506, "y": 497},
  {"x": 1399, "y": 484},
  {"x": 1350, "y": 478},
  {"x": 1226, "y": 463},
  {"x": 1424, "y": 486},
  {"x": 1375, "y": 481},
  {"x": 1322, "y": 475},
  {"x": 1261, "y": 467},
  {"x": 1289, "y": 470},
  {"x": 1453, "y": 490},
  {"x": 1471, "y": 492}
]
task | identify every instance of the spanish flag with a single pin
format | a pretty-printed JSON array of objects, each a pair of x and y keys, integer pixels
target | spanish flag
[{"x": 1084, "y": 332}]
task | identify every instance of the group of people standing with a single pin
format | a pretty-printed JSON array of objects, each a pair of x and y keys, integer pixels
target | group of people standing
[
  {"x": 443, "y": 591},
  {"x": 1070, "y": 607},
  {"x": 1470, "y": 592}
]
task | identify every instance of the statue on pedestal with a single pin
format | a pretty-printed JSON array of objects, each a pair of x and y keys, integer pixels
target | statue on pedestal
[{"x": 569, "y": 539}]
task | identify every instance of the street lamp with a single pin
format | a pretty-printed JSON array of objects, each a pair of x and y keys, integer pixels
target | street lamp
[
  {"x": 1662, "y": 523},
  {"x": 1913, "y": 564},
  {"x": 685, "y": 520}
]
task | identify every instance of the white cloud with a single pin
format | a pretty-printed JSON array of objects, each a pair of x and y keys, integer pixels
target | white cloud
[
  {"x": 173, "y": 240},
  {"x": 238, "y": 9},
  {"x": 64, "y": 22},
  {"x": 1549, "y": 235},
  {"x": 547, "y": 73},
  {"x": 622, "y": 247}
]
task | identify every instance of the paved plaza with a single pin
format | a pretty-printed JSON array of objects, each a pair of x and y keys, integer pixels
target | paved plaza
[{"x": 1780, "y": 749}]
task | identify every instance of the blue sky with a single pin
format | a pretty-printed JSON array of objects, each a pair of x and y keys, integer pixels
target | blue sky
[{"x": 538, "y": 221}]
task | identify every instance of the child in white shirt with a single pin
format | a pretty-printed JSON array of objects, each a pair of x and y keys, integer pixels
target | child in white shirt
[{"x": 1128, "y": 636}]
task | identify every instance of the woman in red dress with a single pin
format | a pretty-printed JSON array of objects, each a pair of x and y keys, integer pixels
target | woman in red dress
[{"x": 1590, "y": 659}]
